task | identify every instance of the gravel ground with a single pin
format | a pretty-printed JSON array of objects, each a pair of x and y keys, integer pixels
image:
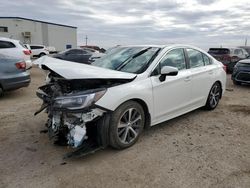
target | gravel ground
[{"x": 199, "y": 149}]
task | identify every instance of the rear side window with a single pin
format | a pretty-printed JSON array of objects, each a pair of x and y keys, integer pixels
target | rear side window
[
  {"x": 238, "y": 52},
  {"x": 6, "y": 44},
  {"x": 195, "y": 58},
  {"x": 219, "y": 51},
  {"x": 207, "y": 60},
  {"x": 36, "y": 47}
]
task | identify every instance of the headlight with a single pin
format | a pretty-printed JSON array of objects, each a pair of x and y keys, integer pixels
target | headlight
[{"x": 75, "y": 102}]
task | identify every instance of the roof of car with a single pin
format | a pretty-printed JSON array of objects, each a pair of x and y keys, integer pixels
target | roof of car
[
  {"x": 8, "y": 39},
  {"x": 160, "y": 46}
]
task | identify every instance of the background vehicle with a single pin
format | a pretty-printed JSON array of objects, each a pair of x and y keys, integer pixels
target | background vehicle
[
  {"x": 228, "y": 56},
  {"x": 76, "y": 55},
  {"x": 13, "y": 74},
  {"x": 247, "y": 48},
  {"x": 241, "y": 73},
  {"x": 51, "y": 49},
  {"x": 38, "y": 50},
  {"x": 111, "y": 101},
  {"x": 15, "y": 49}
]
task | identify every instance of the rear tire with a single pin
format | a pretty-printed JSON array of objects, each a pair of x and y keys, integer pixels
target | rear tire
[
  {"x": 126, "y": 125},
  {"x": 214, "y": 96}
]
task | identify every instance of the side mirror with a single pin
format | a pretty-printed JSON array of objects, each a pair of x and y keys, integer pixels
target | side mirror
[{"x": 167, "y": 71}]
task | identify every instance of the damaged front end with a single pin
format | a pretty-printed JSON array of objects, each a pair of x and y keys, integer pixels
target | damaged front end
[
  {"x": 68, "y": 113},
  {"x": 72, "y": 116},
  {"x": 69, "y": 98}
]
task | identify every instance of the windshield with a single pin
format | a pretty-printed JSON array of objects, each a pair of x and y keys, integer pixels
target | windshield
[{"x": 128, "y": 59}]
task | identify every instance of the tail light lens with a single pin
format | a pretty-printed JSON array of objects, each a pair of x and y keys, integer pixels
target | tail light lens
[
  {"x": 27, "y": 52},
  {"x": 21, "y": 65}
]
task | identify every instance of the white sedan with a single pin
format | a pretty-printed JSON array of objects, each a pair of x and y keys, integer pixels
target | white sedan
[{"x": 111, "y": 101}]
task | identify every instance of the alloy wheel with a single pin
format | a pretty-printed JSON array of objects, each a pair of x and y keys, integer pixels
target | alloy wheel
[
  {"x": 214, "y": 96},
  {"x": 129, "y": 126}
]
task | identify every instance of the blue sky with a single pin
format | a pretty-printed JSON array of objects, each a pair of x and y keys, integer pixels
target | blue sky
[{"x": 203, "y": 23}]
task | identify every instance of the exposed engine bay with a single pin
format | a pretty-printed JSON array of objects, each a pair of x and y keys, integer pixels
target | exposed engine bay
[{"x": 73, "y": 117}]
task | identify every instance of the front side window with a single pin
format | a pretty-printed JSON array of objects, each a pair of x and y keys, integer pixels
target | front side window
[
  {"x": 195, "y": 58},
  {"x": 36, "y": 47},
  {"x": 174, "y": 58}
]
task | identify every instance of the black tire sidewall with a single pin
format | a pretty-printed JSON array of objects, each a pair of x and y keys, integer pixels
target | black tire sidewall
[
  {"x": 208, "y": 105},
  {"x": 114, "y": 120}
]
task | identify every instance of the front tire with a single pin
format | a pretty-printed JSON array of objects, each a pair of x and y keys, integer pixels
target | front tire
[
  {"x": 214, "y": 96},
  {"x": 126, "y": 125}
]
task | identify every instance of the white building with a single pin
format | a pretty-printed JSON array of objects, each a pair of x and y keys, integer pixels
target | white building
[{"x": 39, "y": 32}]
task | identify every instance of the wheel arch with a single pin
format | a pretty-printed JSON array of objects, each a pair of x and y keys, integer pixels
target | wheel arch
[{"x": 145, "y": 109}]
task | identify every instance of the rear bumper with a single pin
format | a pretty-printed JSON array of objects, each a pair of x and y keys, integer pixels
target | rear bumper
[{"x": 16, "y": 82}]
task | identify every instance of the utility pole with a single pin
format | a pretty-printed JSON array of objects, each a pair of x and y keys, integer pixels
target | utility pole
[
  {"x": 246, "y": 42},
  {"x": 86, "y": 39}
]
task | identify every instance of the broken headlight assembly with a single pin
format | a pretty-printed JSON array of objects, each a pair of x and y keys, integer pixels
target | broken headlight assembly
[{"x": 77, "y": 102}]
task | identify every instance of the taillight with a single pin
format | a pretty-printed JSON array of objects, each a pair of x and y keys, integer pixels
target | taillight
[
  {"x": 21, "y": 65},
  {"x": 27, "y": 52},
  {"x": 225, "y": 68}
]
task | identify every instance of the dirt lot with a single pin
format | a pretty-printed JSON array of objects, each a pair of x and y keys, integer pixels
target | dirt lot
[{"x": 199, "y": 149}]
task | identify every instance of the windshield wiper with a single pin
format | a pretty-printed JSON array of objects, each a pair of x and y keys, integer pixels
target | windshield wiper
[{"x": 131, "y": 58}]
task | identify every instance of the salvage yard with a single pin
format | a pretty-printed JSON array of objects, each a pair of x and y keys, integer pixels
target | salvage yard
[{"x": 199, "y": 149}]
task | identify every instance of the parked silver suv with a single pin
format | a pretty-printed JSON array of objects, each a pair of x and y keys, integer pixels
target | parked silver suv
[{"x": 13, "y": 74}]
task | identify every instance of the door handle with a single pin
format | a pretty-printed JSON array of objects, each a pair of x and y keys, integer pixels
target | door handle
[{"x": 187, "y": 79}]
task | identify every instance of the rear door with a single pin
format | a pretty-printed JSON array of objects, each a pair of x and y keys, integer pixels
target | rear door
[
  {"x": 172, "y": 96},
  {"x": 202, "y": 71}
]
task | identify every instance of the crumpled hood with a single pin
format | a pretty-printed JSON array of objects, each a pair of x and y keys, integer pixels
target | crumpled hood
[{"x": 70, "y": 70}]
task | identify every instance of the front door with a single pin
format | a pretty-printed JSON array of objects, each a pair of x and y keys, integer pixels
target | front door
[{"x": 172, "y": 96}]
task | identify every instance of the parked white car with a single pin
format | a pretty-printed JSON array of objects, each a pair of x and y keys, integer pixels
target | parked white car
[
  {"x": 38, "y": 50},
  {"x": 15, "y": 49},
  {"x": 111, "y": 101}
]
